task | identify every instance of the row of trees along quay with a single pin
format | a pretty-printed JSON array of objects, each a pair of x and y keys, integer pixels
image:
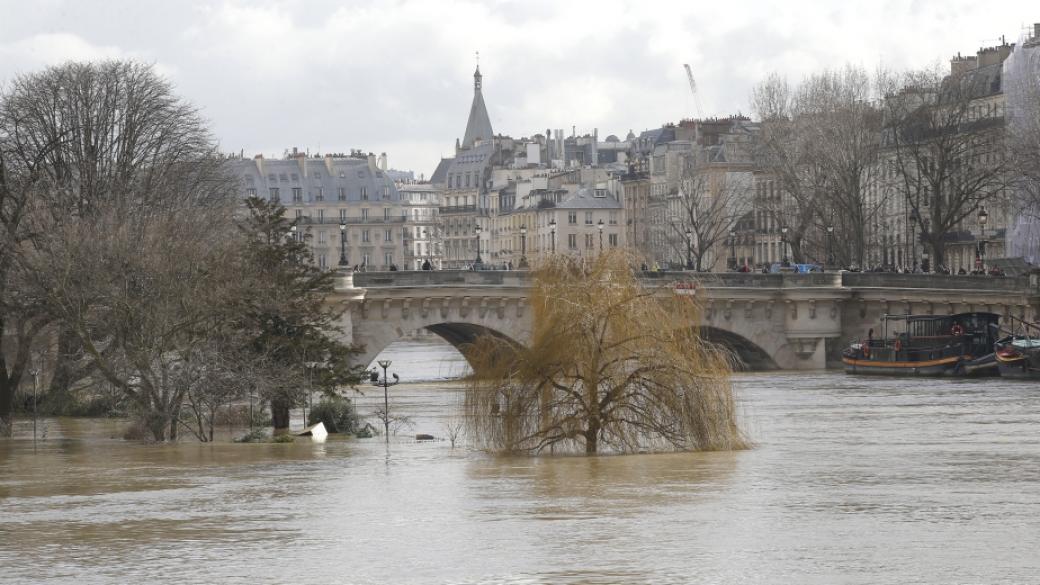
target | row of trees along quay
[
  {"x": 844, "y": 145},
  {"x": 128, "y": 262}
]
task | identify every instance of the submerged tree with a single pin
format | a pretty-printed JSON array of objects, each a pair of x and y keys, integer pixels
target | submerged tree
[{"x": 611, "y": 364}]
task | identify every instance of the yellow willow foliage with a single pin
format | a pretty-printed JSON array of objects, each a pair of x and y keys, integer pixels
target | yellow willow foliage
[{"x": 612, "y": 365}]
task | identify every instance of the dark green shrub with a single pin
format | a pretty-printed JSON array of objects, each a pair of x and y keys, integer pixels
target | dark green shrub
[{"x": 338, "y": 414}]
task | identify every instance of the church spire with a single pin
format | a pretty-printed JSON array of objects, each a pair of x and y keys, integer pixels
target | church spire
[{"x": 478, "y": 127}]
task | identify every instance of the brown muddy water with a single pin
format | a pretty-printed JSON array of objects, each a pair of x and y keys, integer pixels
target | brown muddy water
[{"x": 852, "y": 480}]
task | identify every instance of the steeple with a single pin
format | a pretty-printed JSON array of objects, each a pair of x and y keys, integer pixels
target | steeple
[{"x": 478, "y": 127}]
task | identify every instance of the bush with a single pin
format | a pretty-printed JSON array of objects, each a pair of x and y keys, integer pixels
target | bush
[
  {"x": 338, "y": 414},
  {"x": 287, "y": 438},
  {"x": 258, "y": 435}
]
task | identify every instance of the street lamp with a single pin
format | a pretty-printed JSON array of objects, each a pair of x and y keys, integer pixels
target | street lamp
[
  {"x": 478, "y": 262},
  {"x": 600, "y": 226},
  {"x": 36, "y": 382},
  {"x": 783, "y": 245},
  {"x": 689, "y": 249},
  {"x": 733, "y": 247},
  {"x": 386, "y": 384},
  {"x": 292, "y": 232},
  {"x": 552, "y": 233},
  {"x": 523, "y": 246},
  {"x": 830, "y": 245},
  {"x": 343, "y": 243},
  {"x": 983, "y": 216}
]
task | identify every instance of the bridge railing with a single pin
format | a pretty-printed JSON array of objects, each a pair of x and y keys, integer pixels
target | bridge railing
[{"x": 521, "y": 278}]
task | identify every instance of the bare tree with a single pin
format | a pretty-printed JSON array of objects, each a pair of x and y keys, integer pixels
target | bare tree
[
  {"x": 711, "y": 199},
  {"x": 948, "y": 153},
  {"x": 820, "y": 142},
  {"x": 83, "y": 140},
  {"x": 602, "y": 368}
]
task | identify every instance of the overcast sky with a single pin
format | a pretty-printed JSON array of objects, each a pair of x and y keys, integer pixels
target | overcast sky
[{"x": 396, "y": 76}]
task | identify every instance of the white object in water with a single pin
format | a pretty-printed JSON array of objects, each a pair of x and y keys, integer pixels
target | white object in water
[{"x": 316, "y": 432}]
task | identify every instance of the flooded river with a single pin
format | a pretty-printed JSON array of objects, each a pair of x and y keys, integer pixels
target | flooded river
[{"x": 852, "y": 480}]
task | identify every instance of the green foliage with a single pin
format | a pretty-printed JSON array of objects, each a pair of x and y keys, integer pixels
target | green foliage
[
  {"x": 257, "y": 435},
  {"x": 283, "y": 439},
  {"x": 337, "y": 413}
]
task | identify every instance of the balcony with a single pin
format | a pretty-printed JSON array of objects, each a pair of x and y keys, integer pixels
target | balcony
[
  {"x": 348, "y": 220},
  {"x": 455, "y": 209}
]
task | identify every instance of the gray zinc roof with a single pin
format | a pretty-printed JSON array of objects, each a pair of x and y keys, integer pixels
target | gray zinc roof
[{"x": 584, "y": 198}]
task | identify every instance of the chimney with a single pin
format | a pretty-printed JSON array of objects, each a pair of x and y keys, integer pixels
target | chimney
[
  {"x": 382, "y": 161},
  {"x": 372, "y": 166}
]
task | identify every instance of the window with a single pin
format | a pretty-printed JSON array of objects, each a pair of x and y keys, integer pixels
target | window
[
  {"x": 364, "y": 259},
  {"x": 321, "y": 237},
  {"x": 612, "y": 239},
  {"x": 386, "y": 192},
  {"x": 588, "y": 241},
  {"x": 364, "y": 193},
  {"x": 323, "y": 261},
  {"x": 342, "y": 215},
  {"x": 297, "y": 195},
  {"x": 388, "y": 236},
  {"x": 386, "y": 214},
  {"x": 364, "y": 214},
  {"x": 467, "y": 179},
  {"x": 271, "y": 177},
  {"x": 572, "y": 241},
  {"x": 613, "y": 218},
  {"x": 250, "y": 192},
  {"x": 283, "y": 177},
  {"x": 295, "y": 177},
  {"x": 299, "y": 213},
  {"x": 365, "y": 237},
  {"x": 341, "y": 194},
  {"x": 572, "y": 217},
  {"x": 274, "y": 196},
  {"x": 388, "y": 258},
  {"x": 321, "y": 194},
  {"x": 321, "y": 216},
  {"x": 588, "y": 218}
]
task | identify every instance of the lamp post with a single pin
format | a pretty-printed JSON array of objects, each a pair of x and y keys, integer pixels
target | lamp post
[
  {"x": 783, "y": 245},
  {"x": 293, "y": 232},
  {"x": 830, "y": 245},
  {"x": 523, "y": 246},
  {"x": 36, "y": 382},
  {"x": 342, "y": 243},
  {"x": 983, "y": 216},
  {"x": 600, "y": 226},
  {"x": 478, "y": 262},
  {"x": 552, "y": 233},
  {"x": 733, "y": 247},
  {"x": 689, "y": 249},
  {"x": 386, "y": 384}
]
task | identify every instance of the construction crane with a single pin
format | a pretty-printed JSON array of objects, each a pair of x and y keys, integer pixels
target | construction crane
[{"x": 693, "y": 90}]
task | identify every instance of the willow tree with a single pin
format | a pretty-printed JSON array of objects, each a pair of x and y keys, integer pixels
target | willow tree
[{"x": 611, "y": 365}]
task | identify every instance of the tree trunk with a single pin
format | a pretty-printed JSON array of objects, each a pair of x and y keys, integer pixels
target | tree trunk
[
  {"x": 938, "y": 253},
  {"x": 591, "y": 441},
  {"x": 280, "y": 416},
  {"x": 6, "y": 406}
]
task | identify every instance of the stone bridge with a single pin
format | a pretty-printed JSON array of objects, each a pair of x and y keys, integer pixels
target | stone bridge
[{"x": 786, "y": 321}]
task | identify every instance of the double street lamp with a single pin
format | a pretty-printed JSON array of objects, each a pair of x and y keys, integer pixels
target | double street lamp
[
  {"x": 983, "y": 217},
  {"x": 552, "y": 233},
  {"x": 733, "y": 247},
  {"x": 600, "y": 226},
  {"x": 386, "y": 384},
  {"x": 783, "y": 244},
  {"x": 478, "y": 262},
  {"x": 830, "y": 240},
  {"x": 523, "y": 246},
  {"x": 342, "y": 243}
]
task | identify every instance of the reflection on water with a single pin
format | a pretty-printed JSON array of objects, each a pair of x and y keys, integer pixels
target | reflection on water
[{"x": 852, "y": 480}]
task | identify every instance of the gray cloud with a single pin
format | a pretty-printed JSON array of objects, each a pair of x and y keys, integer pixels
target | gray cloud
[{"x": 395, "y": 76}]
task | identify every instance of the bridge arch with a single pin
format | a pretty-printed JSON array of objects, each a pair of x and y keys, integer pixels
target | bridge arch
[
  {"x": 749, "y": 355},
  {"x": 461, "y": 335}
]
